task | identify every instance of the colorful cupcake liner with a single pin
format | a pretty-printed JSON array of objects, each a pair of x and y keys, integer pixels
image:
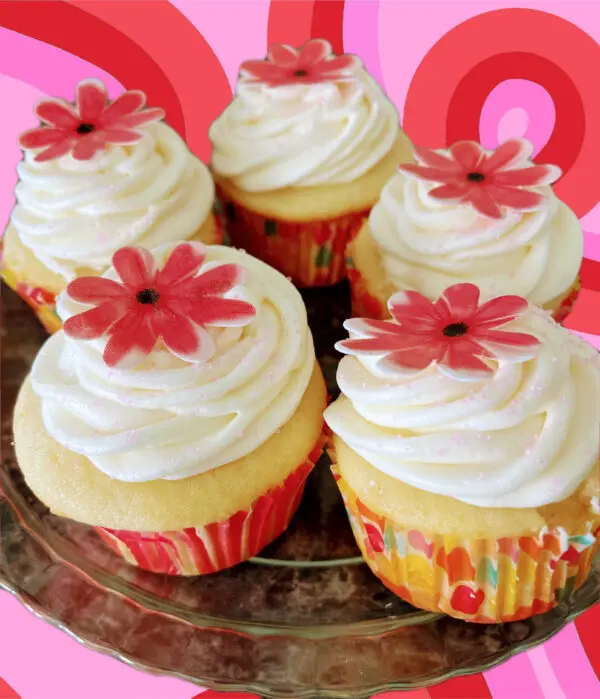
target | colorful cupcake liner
[
  {"x": 310, "y": 253},
  {"x": 478, "y": 580},
  {"x": 220, "y": 545},
  {"x": 43, "y": 302},
  {"x": 365, "y": 305}
]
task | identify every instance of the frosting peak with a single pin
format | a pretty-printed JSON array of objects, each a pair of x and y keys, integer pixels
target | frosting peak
[{"x": 169, "y": 418}]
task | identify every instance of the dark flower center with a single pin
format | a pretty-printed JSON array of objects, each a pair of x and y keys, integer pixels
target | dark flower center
[
  {"x": 147, "y": 296},
  {"x": 85, "y": 128},
  {"x": 300, "y": 73},
  {"x": 455, "y": 329},
  {"x": 475, "y": 177}
]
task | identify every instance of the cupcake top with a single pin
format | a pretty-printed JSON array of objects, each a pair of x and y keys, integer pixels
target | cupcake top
[
  {"x": 302, "y": 118},
  {"x": 99, "y": 175},
  {"x": 470, "y": 215},
  {"x": 174, "y": 362},
  {"x": 494, "y": 404}
]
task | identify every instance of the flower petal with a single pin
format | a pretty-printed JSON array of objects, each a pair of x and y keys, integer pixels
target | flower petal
[
  {"x": 94, "y": 323},
  {"x": 500, "y": 311},
  {"x": 183, "y": 263},
  {"x": 218, "y": 280},
  {"x": 468, "y": 154},
  {"x": 44, "y": 136},
  {"x": 135, "y": 267},
  {"x": 281, "y": 55},
  {"x": 314, "y": 51},
  {"x": 436, "y": 160},
  {"x": 414, "y": 359},
  {"x": 482, "y": 201},
  {"x": 413, "y": 311},
  {"x": 428, "y": 173},
  {"x": 514, "y": 346},
  {"x": 521, "y": 199},
  {"x": 131, "y": 339},
  {"x": 383, "y": 344},
  {"x": 142, "y": 118},
  {"x": 223, "y": 313},
  {"x": 348, "y": 63},
  {"x": 458, "y": 303},
  {"x": 462, "y": 361},
  {"x": 181, "y": 337},
  {"x": 58, "y": 113},
  {"x": 509, "y": 153},
  {"x": 91, "y": 100},
  {"x": 456, "y": 192},
  {"x": 369, "y": 326},
  {"x": 528, "y": 176},
  {"x": 265, "y": 72},
  {"x": 95, "y": 290},
  {"x": 124, "y": 105},
  {"x": 86, "y": 148},
  {"x": 56, "y": 151},
  {"x": 122, "y": 137}
]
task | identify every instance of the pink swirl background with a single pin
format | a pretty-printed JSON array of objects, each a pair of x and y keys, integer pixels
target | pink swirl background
[{"x": 487, "y": 70}]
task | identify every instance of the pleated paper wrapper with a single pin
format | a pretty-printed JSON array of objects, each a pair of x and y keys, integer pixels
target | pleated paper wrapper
[
  {"x": 478, "y": 580},
  {"x": 220, "y": 545},
  {"x": 310, "y": 253}
]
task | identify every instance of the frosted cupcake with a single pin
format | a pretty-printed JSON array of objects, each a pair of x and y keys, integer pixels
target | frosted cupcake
[
  {"x": 466, "y": 450},
  {"x": 301, "y": 155},
  {"x": 180, "y": 409},
  {"x": 469, "y": 215},
  {"x": 97, "y": 176}
]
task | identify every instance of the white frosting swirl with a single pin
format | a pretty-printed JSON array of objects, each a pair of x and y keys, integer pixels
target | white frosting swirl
[
  {"x": 526, "y": 437},
  {"x": 170, "y": 419},
  {"x": 303, "y": 135},
  {"x": 427, "y": 244},
  {"x": 76, "y": 213}
]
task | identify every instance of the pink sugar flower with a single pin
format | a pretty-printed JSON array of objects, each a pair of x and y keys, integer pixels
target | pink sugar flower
[
  {"x": 490, "y": 183},
  {"x": 90, "y": 125},
  {"x": 174, "y": 303},
  {"x": 313, "y": 63},
  {"x": 455, "y": 332}
]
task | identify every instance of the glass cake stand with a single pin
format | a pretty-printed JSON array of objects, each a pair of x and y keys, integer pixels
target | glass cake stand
[{"x": 306, "y": 619}]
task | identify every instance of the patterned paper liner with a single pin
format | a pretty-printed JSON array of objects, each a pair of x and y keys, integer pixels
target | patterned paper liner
[
  {"x": 43, "y": 302},
  {"x": 478, "y": 580},
  {"x": 310, "y": 253},
  {"x": 220, "y": 545},
  {"x": 365, "y": 305}
]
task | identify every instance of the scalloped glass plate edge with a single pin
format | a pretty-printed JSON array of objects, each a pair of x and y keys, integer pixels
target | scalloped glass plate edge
[{"x": 265, "y": 692}]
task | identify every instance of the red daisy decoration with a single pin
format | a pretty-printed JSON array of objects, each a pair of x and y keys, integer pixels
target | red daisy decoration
[
  {"x": 174, "y": 304},
  {"x": 489, "y": 182},
  {"x": 90, "y": 125},
  {"x": 313, "y": 63},
  {"x": 454, "y": 332}
]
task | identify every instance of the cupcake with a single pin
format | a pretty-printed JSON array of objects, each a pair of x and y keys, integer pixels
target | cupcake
[
  {"x": 466, "y": 449},
  {"x": 179, "y": 410},
  {"x": 98, "y": 176},
  {"x": 469, "y": 215},
  {"x": 301, "y": 155}
]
